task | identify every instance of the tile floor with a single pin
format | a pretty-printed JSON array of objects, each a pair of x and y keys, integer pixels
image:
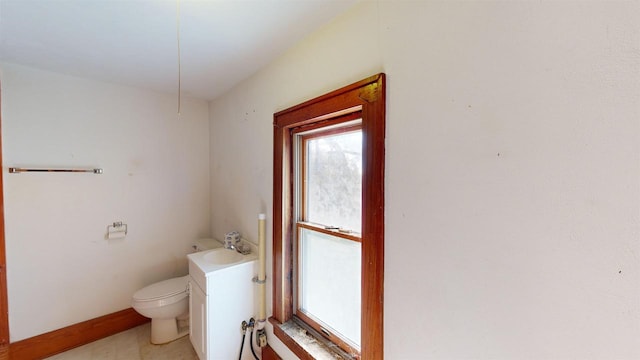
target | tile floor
[{"x": 132, "y": 344}]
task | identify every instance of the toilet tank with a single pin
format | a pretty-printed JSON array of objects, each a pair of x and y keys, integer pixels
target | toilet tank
[{"x": 206, "y": 244}]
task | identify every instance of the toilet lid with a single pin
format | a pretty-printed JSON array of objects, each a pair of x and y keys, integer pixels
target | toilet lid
[{"x": 162, "y": 289}]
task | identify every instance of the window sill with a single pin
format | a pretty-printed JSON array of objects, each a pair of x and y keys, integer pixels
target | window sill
[{"x": 306, "y": 343}]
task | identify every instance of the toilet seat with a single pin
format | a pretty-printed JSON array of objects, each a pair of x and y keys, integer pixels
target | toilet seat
[{"x": 162, "y": 293}]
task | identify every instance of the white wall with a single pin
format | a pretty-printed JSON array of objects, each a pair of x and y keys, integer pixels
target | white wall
[
  {"x": 61, "y": 270},
  {"x": 513, "y": 170}
]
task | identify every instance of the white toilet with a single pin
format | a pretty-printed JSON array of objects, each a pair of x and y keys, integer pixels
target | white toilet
[{"x": 167, "y": 303}]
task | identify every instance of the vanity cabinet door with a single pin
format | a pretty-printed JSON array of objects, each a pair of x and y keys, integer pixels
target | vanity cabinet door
[{"x": 198, "y": 320}]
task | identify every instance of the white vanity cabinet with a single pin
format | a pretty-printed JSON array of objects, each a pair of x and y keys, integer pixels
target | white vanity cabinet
[
  {"x": 198, "y": 318},
  {"x": 221, "y": 297}
]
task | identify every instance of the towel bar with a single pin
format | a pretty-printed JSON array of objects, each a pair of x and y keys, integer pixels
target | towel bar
[{"x": 13, "y": 170}]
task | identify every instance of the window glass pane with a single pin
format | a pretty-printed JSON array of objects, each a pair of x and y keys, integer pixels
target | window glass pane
[
  {"x": 330, "y": 281},
  {"x": 334, "y": 180}
]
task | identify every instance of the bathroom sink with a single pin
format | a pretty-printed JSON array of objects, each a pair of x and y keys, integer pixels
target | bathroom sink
[
  {"x": 223, "y": 257},
  {"x": 205, "y": 264}
]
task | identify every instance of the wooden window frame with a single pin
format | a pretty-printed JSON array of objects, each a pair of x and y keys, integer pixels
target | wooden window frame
[
  {"x": 368, "y": 97},
  {"x": 4, "y": 305}
]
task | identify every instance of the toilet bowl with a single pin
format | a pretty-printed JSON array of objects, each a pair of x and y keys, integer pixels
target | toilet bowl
[{"x": 167, "y": 303}]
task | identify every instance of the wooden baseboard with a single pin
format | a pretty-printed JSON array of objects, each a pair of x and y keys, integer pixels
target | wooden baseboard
[
  {"x": 57, "y": 341},
  {"x": 269, "y": 354}
]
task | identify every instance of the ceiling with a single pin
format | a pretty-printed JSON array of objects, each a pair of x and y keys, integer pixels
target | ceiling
[{"x": 134, "y": 42}]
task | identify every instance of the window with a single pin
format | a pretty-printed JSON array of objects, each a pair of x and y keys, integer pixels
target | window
[
  {"x": 329, "y": 219},
  {"x": 328, "y": 216}
]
